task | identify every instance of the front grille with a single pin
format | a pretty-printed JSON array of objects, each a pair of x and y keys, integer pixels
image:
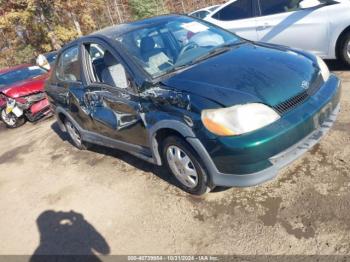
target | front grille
[
  {"x": 291, "y": 103},
  {"x": 300, "y": 98}
]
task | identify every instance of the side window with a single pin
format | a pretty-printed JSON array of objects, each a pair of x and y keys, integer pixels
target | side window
[
  {"x": 200, "y": 14},
  {"x": 68, "y": 67},
  {"x": 271, "y": 7},
  {"x": 240, "y": 9},
  {"x": 96, "y": 51},
  {"x": 105, "y": 68}
]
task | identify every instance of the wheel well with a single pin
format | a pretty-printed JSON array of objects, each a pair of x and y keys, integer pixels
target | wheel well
[
  {"x": 62, "y": 117},
  {"x": 158, "y": 139},
  {"x": 339, "y": 41},
  {"x": 164, "y": 133}
]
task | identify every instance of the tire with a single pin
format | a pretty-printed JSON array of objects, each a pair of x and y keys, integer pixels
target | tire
[
  {"x": 344, "y": 49},
  {"x": 11, "y": 120},
  {"x": 184, "y": 164},
  {"x": 74, "y": 135}
]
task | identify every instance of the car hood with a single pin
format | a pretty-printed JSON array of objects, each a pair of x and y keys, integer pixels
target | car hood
[
  {"x": 248, "y": 73},
  {"x": 26, "y": 87}
]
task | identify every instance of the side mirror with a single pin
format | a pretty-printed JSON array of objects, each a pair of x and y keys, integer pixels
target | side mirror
[
  {"x": 309, "y": 4},
  {"x": 43, "y": 63}
]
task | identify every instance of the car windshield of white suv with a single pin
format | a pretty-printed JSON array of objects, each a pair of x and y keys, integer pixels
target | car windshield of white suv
[
  {"x": 21, "y": 74},
  {"x": 175, "y": 44}
]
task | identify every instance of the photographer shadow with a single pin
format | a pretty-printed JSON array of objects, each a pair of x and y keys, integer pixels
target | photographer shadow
[{"x": 67, "y": 236}]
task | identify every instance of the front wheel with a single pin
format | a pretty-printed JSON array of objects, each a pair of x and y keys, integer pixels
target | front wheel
[
  {"x": 183, "y": 163},
  {"x": 11, "y": 120},
  {"x": 344, "y": 51},
  {"x": 74, "y": 135}
]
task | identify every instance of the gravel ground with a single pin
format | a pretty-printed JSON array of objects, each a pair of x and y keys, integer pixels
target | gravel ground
[{"x": 56, "y": 199}]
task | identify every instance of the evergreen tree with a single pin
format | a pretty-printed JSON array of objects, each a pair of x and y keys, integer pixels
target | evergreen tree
[{"x": 146, "y": 8}]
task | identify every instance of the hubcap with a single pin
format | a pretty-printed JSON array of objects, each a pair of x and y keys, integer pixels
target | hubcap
[
  {"x": 182, "y": 166},
  {"x": 74, "y": 133},
  {"x": 9, "y": 119},
  {"x": 348, "y": 49}
]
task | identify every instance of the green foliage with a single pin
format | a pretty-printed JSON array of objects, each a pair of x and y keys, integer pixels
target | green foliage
[
  {"x": 42, "y": 25},
  {"x": 64, "y": 34},
  {"x": 146, "y": 8},
  {"x": 10, "y": 57},
  {"x": 24, "y": 54}
]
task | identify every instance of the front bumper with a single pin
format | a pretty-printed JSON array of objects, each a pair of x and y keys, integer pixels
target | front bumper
[
  {"x": 279, "y": 161},
  {"x": 259, "y": 165}
]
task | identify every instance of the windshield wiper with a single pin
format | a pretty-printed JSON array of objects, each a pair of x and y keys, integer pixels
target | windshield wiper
[
  {"x": 212, "y": 53},
  {"x": 216, "y": 51}
]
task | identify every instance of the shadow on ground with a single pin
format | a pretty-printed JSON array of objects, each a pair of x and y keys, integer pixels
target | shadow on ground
[
  {"x": 160, "y": 172},
  {"x": 68, "y": 233}
]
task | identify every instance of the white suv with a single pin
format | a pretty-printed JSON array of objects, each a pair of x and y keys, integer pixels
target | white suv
[{"x": 321, "y": 27}]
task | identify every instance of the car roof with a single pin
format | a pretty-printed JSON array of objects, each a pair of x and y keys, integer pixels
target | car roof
[
  {"x": 6, "y": 70},
  {"x": 118, "y": 30}
]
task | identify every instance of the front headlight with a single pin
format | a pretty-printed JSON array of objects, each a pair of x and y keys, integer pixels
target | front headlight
[
  {"x": 239, "y": 119},
  {"x": 323, "y": 68}
]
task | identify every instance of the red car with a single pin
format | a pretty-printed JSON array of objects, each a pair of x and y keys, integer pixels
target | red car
[{"x": 22, "y": 95}]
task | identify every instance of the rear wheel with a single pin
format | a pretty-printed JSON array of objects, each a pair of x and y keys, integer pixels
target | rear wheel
[
  {"x": 11, "y": 120},
  {"x": 74, "y": 135},
  {"x": 183, "y": 163},
  {"x": 344, "y": 50}
]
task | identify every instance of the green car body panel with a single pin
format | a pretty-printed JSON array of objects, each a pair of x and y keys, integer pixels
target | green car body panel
[
  {"x": 287, "y": 80},
  {"x": 259, "y": 73}
]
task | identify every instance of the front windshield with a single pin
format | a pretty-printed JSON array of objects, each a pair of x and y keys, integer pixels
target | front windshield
[
  {"x": 177, "y": 43},
  {"x": 21, "y": 74}
]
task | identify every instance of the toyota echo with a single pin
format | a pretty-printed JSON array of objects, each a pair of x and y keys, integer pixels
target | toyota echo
[{"x": 215, "y": 109}]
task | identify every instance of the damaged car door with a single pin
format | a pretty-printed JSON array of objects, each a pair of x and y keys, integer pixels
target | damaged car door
[{"x": 110, "y": 100}]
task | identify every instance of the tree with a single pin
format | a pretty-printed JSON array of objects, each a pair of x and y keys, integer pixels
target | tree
[{"x": 146, "y": 8}]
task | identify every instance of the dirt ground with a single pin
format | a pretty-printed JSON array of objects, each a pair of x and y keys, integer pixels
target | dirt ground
[{"x": 56, "y": 199}]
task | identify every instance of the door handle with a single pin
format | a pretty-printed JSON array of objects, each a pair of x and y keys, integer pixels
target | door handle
[{"x": 263, "y": 27}]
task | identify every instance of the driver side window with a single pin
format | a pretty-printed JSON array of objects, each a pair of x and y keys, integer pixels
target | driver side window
[
  {"x": 271, "y": 7},
  {"x": 105, "y": 68},
  {"x": 240, "y": 9}
]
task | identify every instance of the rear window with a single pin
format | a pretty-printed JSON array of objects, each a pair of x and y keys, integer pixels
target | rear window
[{"x": 200, "y": 14}]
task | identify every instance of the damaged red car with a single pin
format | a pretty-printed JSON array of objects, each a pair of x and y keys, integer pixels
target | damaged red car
[{"x": 21, "y": 95}]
